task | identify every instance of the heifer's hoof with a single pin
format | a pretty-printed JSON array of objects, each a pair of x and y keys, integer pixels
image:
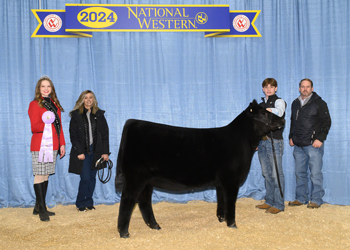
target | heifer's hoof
[
  {"x": 124, "y": 235},
  {"x": 233, "y": 225},
  {"x": 221, "y": 218},
  {"x": 156, "y": 226}
]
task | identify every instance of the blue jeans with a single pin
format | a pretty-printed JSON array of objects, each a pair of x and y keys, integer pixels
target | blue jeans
[
  {"x": 273, "y": 196},
  {"x": 309, "y": 158},
  {"x": 87, "y": 182}
]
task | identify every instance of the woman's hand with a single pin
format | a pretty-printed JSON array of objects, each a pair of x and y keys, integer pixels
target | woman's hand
[
  {"x": 62, "y": 151},
  {"x": 105, "y": 157},
  {"x": 81, "y": 157}
]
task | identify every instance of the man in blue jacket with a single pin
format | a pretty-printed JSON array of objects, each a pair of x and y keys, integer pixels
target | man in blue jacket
[{"x": 310, "y": 123}]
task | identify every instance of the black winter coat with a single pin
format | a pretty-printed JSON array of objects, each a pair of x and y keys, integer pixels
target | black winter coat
[
  {"x": 309, "y": 122},
  {"x": 78, "y": 139}
]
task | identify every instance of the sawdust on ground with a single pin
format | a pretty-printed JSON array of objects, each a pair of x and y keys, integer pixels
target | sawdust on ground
[{"x": 184, "y": 226}]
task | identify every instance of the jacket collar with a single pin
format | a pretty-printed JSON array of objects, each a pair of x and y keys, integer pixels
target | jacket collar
[
  {"x": 309, "y": 99},
  {"x": 271, "y": 98}
]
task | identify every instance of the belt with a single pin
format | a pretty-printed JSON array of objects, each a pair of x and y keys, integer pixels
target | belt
[{"x": 265, "y": 138}]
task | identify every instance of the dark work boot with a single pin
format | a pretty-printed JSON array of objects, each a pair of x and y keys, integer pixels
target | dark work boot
[
  {"x": 36, "y": 207},
  {"x": 39, "y": 192}
]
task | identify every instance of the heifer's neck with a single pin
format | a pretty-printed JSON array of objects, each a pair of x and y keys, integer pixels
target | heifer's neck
[{"x": 248, "y": 128}]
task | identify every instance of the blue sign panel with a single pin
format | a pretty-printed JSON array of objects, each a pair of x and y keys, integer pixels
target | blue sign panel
[
  {"x": 149, "y": 18},
  {"x": 79, "y": 20}
]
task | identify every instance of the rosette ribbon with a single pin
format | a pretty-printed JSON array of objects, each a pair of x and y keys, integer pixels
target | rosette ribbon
[{"x": 46, "y": 147}]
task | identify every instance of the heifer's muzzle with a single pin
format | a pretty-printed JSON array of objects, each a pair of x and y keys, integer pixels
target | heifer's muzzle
[{"x": 281, "y": 126}]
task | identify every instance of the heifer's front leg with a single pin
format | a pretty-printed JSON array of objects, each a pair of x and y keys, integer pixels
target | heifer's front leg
[
  {"x": 220, "y": 210},
  {"x": 145, "y": 205},
  {"x": 231, "y": 194}
]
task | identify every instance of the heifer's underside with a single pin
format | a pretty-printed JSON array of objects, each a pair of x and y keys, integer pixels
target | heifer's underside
[{"x": 225, "y": 210}]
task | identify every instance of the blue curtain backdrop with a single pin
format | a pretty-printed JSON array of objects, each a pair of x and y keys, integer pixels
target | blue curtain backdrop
[{"x": 181, "y": 79}]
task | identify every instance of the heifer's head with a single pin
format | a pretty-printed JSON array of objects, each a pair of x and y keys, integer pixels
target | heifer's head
[{"x": 264, "y": 121}]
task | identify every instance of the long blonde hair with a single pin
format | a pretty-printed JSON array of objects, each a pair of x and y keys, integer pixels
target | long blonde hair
[
  {"x": 37, "y": 96},
  {"x": 80, "y": 103}
]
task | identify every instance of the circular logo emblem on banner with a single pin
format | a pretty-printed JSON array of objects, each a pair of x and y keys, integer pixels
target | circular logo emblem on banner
[
  {"x": 52, "y": 23},
  {"x": 201, "y": 18},
  {"x": 241, "y": 23}
]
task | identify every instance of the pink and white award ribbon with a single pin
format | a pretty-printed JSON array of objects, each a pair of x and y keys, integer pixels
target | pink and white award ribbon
[{"x": 46, "y": 147}]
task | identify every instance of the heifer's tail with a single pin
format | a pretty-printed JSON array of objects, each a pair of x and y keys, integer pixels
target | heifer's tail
[{"x": 119, "y": 178}]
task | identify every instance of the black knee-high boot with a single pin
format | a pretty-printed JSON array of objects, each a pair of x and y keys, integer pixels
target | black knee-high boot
[
  {"x": 39, "y": 192},
  {"x": 46, "y": 183},
  {"x": 36, "y": 207}
]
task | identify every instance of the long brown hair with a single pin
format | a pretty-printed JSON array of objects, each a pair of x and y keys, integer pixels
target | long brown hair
[
  {"x": 80, "y": 103},
  {"x": 37, "y": 96}
]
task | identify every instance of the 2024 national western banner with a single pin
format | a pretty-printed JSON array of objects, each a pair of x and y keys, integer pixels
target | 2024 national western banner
[{"x": 79, "y": 20}]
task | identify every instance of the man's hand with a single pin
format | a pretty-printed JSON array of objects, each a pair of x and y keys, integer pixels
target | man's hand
[{"x": 317, "y": 144}]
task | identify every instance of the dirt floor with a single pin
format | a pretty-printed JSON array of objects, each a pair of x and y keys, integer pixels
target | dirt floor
[{"x": 184, "y": 226}]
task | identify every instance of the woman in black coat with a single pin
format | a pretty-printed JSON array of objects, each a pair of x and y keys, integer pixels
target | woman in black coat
[{"x": 89, "y": 136}]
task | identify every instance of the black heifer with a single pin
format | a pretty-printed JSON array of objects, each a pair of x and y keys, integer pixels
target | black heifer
[{"x": 179, "y": 159}]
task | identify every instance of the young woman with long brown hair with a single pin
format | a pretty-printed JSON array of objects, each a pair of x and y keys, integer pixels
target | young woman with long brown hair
[{"x": 47, "y": 140}]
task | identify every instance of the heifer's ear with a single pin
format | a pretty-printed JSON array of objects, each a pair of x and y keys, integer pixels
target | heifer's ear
[
  {"x": 250, "y": 109},
  {"x": 252, "y": 105},
  {"x": 253, "y": 108}
]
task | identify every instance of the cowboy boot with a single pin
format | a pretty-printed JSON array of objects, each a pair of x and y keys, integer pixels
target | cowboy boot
[
  {"x": 36, "y": 207},
  {"x": 39, "y": 192}
]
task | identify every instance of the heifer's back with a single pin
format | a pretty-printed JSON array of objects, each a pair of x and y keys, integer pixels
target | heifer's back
[{"x": 174, "y": 158}]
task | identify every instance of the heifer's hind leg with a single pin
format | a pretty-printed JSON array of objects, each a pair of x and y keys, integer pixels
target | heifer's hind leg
[
  {"x": 145, "y": 205},
  {"x": 125, "y": 210},
  {"x": 220, "y": 210}
]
